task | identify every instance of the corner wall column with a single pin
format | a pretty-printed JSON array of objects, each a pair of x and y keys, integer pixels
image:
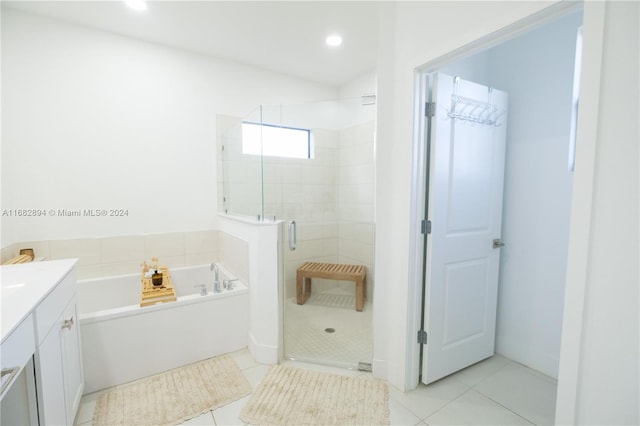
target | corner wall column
[{"x": 265, "y": 310}]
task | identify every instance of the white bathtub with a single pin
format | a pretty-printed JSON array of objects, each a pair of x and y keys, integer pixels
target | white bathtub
[{"x": 122, "y": 342}]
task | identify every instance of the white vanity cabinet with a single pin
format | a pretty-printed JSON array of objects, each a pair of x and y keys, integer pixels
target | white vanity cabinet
[
  {"x": 41, "y": 342},
  {"x": 58, "y": 359},
  {"x": 19, "y": 403}
]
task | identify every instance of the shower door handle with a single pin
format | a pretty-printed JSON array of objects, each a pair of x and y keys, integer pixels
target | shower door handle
[{"x": 293, "y": 235}]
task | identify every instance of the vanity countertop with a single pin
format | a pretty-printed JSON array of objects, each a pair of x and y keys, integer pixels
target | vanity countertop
[{"x": 24, "y": 286}]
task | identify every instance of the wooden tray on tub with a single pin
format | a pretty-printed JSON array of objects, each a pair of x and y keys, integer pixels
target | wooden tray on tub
[{"x": 157, "y": 294}]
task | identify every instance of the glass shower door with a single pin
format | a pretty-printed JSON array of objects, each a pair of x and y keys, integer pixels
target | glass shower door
[
  {"x": 329, "y": 195},
  {"x": 241, "y": 181}
]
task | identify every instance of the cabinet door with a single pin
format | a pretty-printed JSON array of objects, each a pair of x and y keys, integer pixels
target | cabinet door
[
  {"x": 71, "y": 360},
  {"x": 50, "y": 379},
  {"x": 60, "y": 376}
]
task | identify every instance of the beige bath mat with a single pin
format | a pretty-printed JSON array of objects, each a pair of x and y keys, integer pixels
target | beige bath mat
[
  {"x": 292, "y": 396},
  {"x": 174, "y": 396}
]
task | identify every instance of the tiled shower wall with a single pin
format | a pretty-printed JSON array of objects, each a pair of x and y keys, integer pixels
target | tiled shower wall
[
  {"x": 99, "y": 257},
  {"x": 305, "y": 190},
  {"x": 356, "y": 198},
  {"x": 331, "y": 198}
]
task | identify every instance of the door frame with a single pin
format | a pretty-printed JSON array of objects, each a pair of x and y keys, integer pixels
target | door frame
[
  {"x": 441, "y": 356},
  {"x": 582, "y": 193}
]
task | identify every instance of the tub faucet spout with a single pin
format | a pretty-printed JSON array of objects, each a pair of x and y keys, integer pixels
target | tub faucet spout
[{"x": 216, "y": 278}]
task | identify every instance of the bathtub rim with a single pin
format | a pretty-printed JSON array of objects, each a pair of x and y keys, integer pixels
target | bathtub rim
[
  {"x": 239, "y": 288},
  {"x": 224, "y": 270},
  {"x": 130, "y": 310}
]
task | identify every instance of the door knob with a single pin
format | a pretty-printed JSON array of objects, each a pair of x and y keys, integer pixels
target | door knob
[
  {"x": 497, "y": 243},
  {"x": 68, "y": 323}
]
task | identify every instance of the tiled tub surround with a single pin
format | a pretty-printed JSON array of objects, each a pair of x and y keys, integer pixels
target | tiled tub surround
[
  {"x": 122, "y": 342},
  {"x": 103, "y": 257}
]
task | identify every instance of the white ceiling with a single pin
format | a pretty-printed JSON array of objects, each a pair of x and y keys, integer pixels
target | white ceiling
[{"x": 283, "y": 36}]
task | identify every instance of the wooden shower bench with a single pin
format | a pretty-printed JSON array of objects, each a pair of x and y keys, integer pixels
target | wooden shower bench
[{"x": 332, "y": 271}]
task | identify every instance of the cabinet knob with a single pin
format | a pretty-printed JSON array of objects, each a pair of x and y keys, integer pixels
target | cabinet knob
[{"x": 68, "y": 323}]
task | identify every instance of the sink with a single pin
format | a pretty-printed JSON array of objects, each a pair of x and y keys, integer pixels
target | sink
[
  {"x": 12, "y": 280},
  {"x": 24, "y": 286},
  {"x": 8, "y": 290}
]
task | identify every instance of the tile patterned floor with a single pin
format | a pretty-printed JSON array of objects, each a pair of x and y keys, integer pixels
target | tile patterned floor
[
  {"x": 496, "y": 391},
  {"x": 305, "y": 337}
]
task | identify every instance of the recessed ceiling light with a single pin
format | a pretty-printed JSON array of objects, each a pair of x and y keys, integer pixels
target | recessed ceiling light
[
  {"x": 334, "y": 40},
  {"x": 136, "y": 4}
]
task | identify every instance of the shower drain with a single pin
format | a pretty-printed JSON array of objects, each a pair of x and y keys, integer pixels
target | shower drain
[{"x": 330, "y": 330}]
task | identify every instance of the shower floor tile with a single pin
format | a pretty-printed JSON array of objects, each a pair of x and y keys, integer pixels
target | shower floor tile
[{"x": 327, "y": 329}]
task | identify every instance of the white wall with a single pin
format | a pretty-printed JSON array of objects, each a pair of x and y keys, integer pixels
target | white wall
[
  {"x": 363, "y": 85},
  {"x": 473, "y": 68},
  {"x": 608, "y": 371},
  {"x": 92, "y": 120},
  {"x": 607, "y": 380},
  {"x": 537, "y": 72},
  {"x": 412, "y": 34}
]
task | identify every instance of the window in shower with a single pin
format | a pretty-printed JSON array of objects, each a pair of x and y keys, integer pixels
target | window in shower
[{"x": 275, "y": 141}]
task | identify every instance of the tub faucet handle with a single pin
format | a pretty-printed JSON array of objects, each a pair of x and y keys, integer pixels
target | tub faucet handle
[
  {"x": 228, "y": 284},
  {"x": 203, "y": 289}
]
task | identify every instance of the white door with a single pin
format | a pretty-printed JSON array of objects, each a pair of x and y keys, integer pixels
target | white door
[{"x": 466, "y": 172}]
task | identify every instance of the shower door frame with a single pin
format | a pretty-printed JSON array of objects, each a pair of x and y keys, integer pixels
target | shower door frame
[{"x": 361, "y": 102}]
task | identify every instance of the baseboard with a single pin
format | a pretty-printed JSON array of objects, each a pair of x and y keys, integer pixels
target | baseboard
[
  {"x": 379, "y": 369},
  {"x": 263, "y": 354},
  {"x": 537, "y": 360}
]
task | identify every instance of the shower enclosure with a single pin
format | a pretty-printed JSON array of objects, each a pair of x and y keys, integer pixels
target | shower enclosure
[{"x": 311, "y": 166}]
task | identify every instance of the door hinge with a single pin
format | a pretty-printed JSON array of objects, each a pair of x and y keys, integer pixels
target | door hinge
[
  {"x": 422, "y": 337},
  {"x": 368, "y": 99},
  {"x": 425, "y": 227},
  {"x": 429, "y": 109}
]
